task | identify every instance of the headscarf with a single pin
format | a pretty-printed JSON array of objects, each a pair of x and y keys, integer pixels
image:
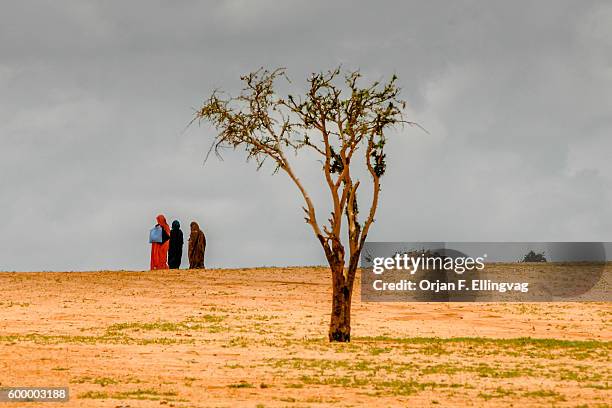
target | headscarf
[
  {"x": 176, "y": 225},
  {"x": 161, "y": 220},
  {"x": 195, "y": 232}
]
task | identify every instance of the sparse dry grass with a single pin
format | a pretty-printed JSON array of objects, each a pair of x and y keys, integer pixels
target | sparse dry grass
[{"x": 256, "y": 337}]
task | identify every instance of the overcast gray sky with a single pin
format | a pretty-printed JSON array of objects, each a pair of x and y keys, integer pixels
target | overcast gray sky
[{"x": 94, "y": 97}]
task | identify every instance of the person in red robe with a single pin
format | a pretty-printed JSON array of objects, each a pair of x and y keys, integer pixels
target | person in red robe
[{"x": 159, "y": 250}]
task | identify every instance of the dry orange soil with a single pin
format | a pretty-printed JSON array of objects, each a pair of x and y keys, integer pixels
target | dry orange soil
[{"x": 256, "y": 338}]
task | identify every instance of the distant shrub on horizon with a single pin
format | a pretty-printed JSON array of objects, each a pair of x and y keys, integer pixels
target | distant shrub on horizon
[{"x": 532, "y": 256}]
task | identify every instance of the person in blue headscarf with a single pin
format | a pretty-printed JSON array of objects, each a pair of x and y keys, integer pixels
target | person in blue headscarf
[{"x": 175, "y": 252}]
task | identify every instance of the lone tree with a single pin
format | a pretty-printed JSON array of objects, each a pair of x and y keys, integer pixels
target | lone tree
[
  {"x": 339, "y": 120},
  {"x": 532, "y": 256}
]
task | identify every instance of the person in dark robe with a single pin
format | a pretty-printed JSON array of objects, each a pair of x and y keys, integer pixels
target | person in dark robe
[
  {"x": 197, "y": 246},
  {"x": 176, "y": 246},
  {"x": 159, "y": 250}
]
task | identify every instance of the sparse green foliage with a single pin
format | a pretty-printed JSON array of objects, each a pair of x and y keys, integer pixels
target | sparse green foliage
[{"x": 241, "y": 384}]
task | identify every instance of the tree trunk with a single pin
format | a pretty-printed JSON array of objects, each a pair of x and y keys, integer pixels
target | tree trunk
[{"x": 340, "y": 323}]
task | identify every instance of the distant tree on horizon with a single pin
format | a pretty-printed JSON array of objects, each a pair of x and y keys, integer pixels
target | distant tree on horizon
[
  {"x": 340, "y": 121},
  {"x": 532, "y": 256}
]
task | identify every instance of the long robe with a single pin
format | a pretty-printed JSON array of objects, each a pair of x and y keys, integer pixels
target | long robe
[
  {"x": 197, "y": 247},
  {"x": 176, "y": 246},
  {"x": 159, "y": 251}
]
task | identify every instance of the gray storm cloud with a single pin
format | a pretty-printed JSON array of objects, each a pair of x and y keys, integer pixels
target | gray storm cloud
[{"x": 95, "y": 97}]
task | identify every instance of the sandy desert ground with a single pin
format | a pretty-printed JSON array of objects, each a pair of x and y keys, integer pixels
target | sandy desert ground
[{"x": 257, "y": 338}]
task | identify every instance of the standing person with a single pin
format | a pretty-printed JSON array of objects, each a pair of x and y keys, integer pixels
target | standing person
[
  {"x": 176, "y": 246},
  {"x": 159, "y": 250},
  {"x": 197, "y": 246}
]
